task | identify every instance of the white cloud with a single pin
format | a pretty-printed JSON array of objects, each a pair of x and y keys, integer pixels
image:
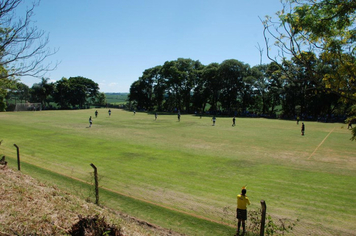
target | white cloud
[{"x": 113, "y": 84}]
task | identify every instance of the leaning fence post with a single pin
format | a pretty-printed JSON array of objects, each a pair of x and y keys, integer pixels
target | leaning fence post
[
  {"x": 18, "y": 157},
  {"x": 96, "y": 184},
  {"x": 263, "y": 217}
]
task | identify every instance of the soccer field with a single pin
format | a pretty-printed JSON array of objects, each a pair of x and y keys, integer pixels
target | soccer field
[{"x": 194, "y": 167}]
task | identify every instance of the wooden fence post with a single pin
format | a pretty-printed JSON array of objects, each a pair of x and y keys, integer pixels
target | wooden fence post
[
  {"x": 2, "y": 161},
  {"x": 96, "y": 184},
  {"x": 18, "y": 157},
  {"x": 263, "y": 217}
]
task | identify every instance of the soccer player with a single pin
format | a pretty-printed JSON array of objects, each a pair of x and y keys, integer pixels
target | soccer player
[
  {"x": 96, "y": 113},
  {"x": 214, "y": 119},
  {"x": 109, "y": 112},
  {"x": 178, "y": 116},
  {"x": 90, "y": 122},
  {"x": 303, "y": 129},
  {"x": 233, "y": 121},
  {"x": 155, "y": 115},
  {"x": 241, "y": 211},
  {"x": 349, "y": 126}
]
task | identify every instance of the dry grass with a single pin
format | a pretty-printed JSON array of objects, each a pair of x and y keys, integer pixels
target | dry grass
[{"x": 29, "y": 207}]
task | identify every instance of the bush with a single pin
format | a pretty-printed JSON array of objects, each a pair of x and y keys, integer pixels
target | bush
[
  {"x": 92, "y": 226},
  {"x": 271, "y": 227}
]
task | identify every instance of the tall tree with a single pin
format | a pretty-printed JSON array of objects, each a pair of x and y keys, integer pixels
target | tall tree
[
  {"x": 249, "y": 97},
  {"x": 324, "y": 28},
  {"x": 21, "y": 92},
  {"x": 190, "y": 72},
  {"x": 275, "y": 87},
  {"x": 260, "y": 87},
  {"x": 62, "y": 93},
  {"x": 101, "y": 99},
  {"x": 159, "y": 87},
  {"x": 40, "y": 92},
  {"x": 232, "y": 72},
  {"x": 212, "y": 85},
  {"x": 83, "y": 91},
  {"x": 180, "y": 77},
  {"x": 135, "y": 97},
  {"x": 6, "y": 84},
  {"x": 142, "y": 90},
  {"x": 75, "y": 91},
  {"x": 173, "y": 91},
  {"x": 147, "y": 91}
]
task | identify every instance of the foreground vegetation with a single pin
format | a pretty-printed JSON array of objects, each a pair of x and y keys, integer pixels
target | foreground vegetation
[
  {"x": 31, "y": 207},
  {"x": 171, "y": 173}
]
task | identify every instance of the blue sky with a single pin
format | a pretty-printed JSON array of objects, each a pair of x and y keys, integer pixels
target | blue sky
[{"x": 112, "y": 42}]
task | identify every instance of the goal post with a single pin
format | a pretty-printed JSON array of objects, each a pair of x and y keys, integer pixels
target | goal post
[{"x": 28, "y": 106}]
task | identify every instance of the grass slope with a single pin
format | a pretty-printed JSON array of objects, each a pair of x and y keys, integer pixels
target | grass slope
[
  {"x": 198, "y": 168},
  {"x": 31, "y": 207}
]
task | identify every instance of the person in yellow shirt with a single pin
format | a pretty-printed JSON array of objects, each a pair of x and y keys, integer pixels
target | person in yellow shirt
[{"x": 241, "y": 211}]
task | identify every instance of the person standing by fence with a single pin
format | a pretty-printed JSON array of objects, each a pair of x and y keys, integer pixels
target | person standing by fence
[{"x": 241, "y": 211}]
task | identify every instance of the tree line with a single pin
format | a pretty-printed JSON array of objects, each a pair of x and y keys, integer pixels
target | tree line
[
  {"x": 235, "y": 88},
  {"x": 311, "y": 45},
  {"x": 23, "y": 52},
  {"x": 75, "y": 92}
]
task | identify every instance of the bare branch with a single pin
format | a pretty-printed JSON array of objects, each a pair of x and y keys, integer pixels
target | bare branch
[
  {"x": 261, "y": 52},
  {"x": 23, "y": 47}
]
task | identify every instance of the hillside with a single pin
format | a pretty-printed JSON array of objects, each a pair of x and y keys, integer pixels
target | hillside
[{"x": 30, "y": 207}]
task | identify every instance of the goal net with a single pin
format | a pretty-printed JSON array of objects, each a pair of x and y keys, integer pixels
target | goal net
[{"x": 28, "y": 106}]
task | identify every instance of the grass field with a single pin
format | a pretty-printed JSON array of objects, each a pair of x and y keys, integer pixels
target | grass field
[{"x": 160, "y": 170}]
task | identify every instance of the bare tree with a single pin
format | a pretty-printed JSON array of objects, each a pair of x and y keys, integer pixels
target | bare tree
[{"x": 23, "y": 47}]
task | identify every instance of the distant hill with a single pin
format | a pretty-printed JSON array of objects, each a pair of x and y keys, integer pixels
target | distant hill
[
  {"x": 116, "y": 93},
  {"x": 116, "y": 98}
]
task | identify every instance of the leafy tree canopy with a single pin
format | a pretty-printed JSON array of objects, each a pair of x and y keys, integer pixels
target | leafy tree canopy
[{"x": 322, "y": 28}]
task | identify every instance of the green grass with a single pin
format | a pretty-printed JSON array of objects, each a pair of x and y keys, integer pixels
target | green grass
[
  {"x": 137, "y": 208},
  {"x": 194, "y": 167}
]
